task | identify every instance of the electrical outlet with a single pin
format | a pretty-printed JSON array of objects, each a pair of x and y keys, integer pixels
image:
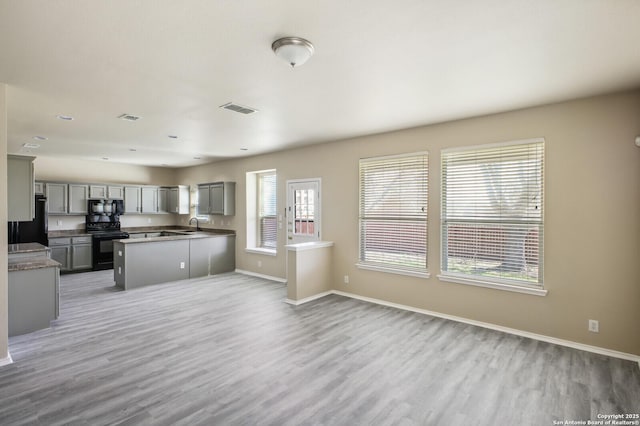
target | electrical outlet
[
  {"x": 594, "y": 326},
  {"x": 346, "y": 279},
  {"x": 181, "y": 265},
  {"x": 59, "y": 223},
  {"x": 259, "y": 263},
  {"x": 149, "y": 220}
]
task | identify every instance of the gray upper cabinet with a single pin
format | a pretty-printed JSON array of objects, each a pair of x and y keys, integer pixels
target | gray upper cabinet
[
  {"x": 115, "y": 192},
  {"x": 132, "y": 199},
  {"x": 149, "y": 196},
  {"x": 78, "y": 195},
  {"x": 57, "y": 194},
  {"x": 217, "y": 198},
  {"x": 222, "y": 198},
  {"x": 98, "y": 191},
  {"x": 163, "y": 194},
  {"x": 178, "y": 199},
  {"x": 20, "y": 188},
  {"x": 203, "y": 199}
]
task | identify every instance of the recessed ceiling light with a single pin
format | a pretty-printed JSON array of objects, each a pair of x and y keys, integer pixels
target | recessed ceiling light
[
  {"x": 105, "y": 158},
  {"x": 197, "y": 158},
  {"x": 164, "y": 165},
  {"x": 40, "y": 138},
  {"x": 173, "y": 136},
  {"x": 64, "y": 117},
  {"x": 244, "y": 149},
  {"x": 129, "y": 117},
  {"x": 132, "y": 149},
  {"x": 31, "y": 145}
]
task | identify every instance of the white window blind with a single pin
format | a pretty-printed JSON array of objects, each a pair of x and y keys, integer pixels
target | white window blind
[
  {"x": 393, "y": 212},
  {"x": 492, "y": 212},
  {"x": 267, "y": 220}
]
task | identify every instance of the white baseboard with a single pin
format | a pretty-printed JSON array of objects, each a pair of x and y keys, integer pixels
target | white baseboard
[
  {"x": 6, "y": 361},
  {"x": 575, "y": 345},
  {"x": 266, "y": 277},
  {"x": 308, "y": 299}
]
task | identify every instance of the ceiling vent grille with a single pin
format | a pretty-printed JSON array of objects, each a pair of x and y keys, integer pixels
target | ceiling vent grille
[
  {"x": 129, "y": 117},
  {"x": 238, "y": 108}
]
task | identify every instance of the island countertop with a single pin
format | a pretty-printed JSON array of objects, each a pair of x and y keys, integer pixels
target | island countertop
[
  {"x": 177, "y": 236},
  {"x": 27, "y": 248},
  {"x": 26, "y": 264}
]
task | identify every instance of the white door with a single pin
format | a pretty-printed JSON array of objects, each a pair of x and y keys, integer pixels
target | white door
[{"x": 303, "y": 211}]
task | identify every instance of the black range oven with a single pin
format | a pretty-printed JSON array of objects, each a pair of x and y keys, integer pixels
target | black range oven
[
  {"x": 103, "y": 248},
  {"x": 103, "y": 223}
]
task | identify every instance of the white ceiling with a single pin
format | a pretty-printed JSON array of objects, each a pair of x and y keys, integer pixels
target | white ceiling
[{"x": 378, "y": 66}]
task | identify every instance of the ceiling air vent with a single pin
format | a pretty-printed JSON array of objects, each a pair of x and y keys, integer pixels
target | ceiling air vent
[
  {"x": 238, "y": 108},
  {"x": 129, "y": 117}
]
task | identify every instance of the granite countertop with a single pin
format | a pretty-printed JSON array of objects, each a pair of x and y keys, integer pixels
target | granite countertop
[
  {"x": 68, "y": 233},
  {"x": 26, "y": 248},
  {"x": 141, "y": 229},
  {"x": 26, "y": 264},
  {"x": 192, "y": 236}
]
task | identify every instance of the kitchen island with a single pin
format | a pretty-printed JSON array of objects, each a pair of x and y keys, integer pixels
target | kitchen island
[
  {"x": 33, "y": 290},
  {"x": 176, "y": 255}
]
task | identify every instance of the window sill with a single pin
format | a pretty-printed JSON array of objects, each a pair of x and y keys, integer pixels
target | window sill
[
  {"x": 257, "y": 250},
  {"x": 391, "y": 270},
  {"x": 494, "y": 285}
]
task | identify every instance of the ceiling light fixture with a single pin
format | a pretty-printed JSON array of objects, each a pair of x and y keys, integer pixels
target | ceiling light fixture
[
  {"x": 173, "y": 136},
  {"x": 295, "y": 50},
  {"x": 40, "y": 138},
  {"x": 31, "y": 145},
  {"x": 64, "y": 117}
]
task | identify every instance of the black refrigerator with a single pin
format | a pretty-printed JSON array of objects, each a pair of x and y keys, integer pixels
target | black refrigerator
[{"x": 34, "y": 231}]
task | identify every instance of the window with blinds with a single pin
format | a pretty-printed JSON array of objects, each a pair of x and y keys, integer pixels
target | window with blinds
[
  {"x": 492, "y": 212},
  {"x": 393, "y": 213},
  {"x": 267, "y": 220}
]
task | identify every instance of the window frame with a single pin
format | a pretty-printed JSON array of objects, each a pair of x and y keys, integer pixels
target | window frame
[
  {"x": 253, "y": 214},
  {"x": 499, "y": 283},
  {"x": 259, "y": 203},
  {"x": 420, "y": 272}
]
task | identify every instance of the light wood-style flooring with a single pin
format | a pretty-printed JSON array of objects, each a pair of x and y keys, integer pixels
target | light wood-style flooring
[{"x": 227, "y": 350}]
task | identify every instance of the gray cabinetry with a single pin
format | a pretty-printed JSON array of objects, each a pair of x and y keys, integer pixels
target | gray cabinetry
[
  {"x": 39, "y": 188},
  {"x": 78, "y": 195},
  {"x": 115, "y": 192},
  {"x": 98, "y": 191},
  {"x": 149, "y": 195},
  {"x": 33, "y": 299},
  {"x": 203, "y": 199},
  {"x": 81, "y": 253},
  {"x": 57, "y": 194},
  {"x": 61, "y": 252},
  {"x": 163, "y": 194},
  {"x": 132, "y": 199},
  {"x": 177, "y": 199},
  {"x": 217, "y": 198},
  {"x": 20, "y": 188},
  {"x": 73, "y": 253}
]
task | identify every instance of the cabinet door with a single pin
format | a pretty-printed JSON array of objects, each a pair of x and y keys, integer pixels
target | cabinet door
[
  {"x": 39, "y": 188},
  {"x": 172, "y": 200},
  {"x": 216, "y": 198},
  {"x": 163, "y": 200},
  {"x": 115, "y": 192},
  {"x": 132, "y": 199},
  {"x": 81, "y": 256},
  {"x": 20, "y": 188},
  {"x": 78, "y": 195},
  {"x": 203, "y": 200},
  {"x": 149, "y": 199},
  {"x": 62, "y": 254},
  {"x": 97, "y": 191},
  {"x": 56, "y": 198}
]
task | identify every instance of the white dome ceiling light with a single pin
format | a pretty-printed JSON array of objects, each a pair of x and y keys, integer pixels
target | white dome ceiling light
[{"x": 294, "y": 50}]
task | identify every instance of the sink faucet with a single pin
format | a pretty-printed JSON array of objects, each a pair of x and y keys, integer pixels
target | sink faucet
[{"x": 197, "y": 224}]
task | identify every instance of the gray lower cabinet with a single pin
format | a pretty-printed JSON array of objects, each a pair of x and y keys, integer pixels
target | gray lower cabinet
[
  {"x": 33, "y": 299},
  {"x": 138, "y": 263},
  {"x": 73, "y": 253}
]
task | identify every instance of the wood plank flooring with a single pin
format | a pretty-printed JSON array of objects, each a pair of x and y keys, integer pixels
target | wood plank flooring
[{"x": 226, "y": 350}]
